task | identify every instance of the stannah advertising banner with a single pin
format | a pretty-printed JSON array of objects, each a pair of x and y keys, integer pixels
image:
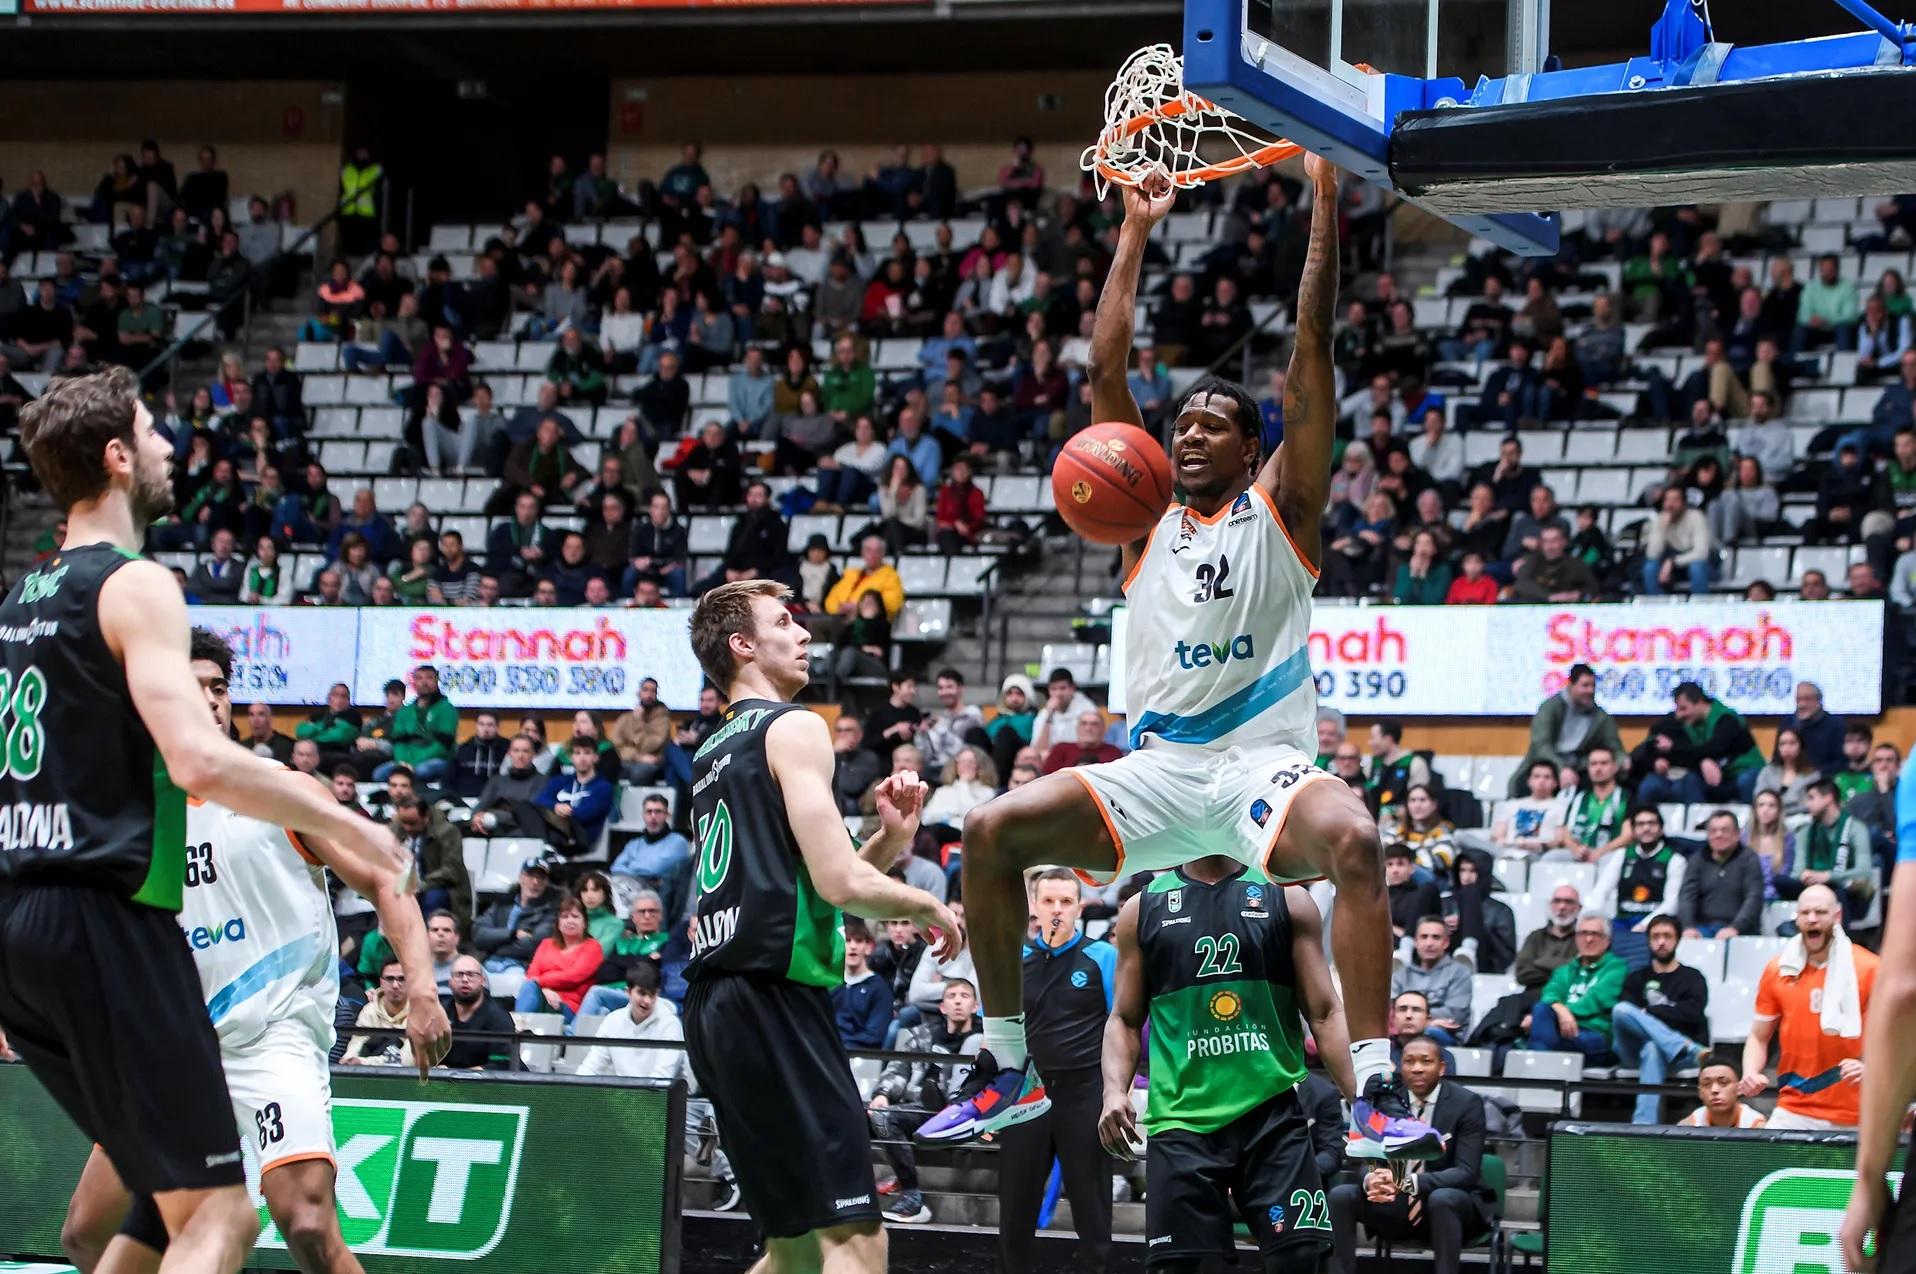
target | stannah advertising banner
[
  {"x": 505, "y": 657},
  {"x": 194, "y": 8},
  {"x": 1505, "y": 660}
]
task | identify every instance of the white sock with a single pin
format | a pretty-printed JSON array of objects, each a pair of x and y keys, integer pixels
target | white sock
[
  {"x": 1370, "y": 1057},
  {"x": 1005, "y": 1041}
]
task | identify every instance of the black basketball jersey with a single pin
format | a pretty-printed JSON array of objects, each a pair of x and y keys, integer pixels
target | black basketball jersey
[
  {"x": 1225, "y": 1030},
  {"x": 757, "y": 910},
  {"x": 84, "y": 795}
]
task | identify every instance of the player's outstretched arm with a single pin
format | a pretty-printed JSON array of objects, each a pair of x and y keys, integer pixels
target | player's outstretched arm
[
  {"x": 1109, "y": 364},
  {"x": 1323, "y": 1007},
  {"x": 390, "y": 890},
  {"x": 1302, "y": 481},
  {"x": 799, "y": 749},
  {"x": 900, "y": 799},
  {"x": 1889, "y": 1081},
  {"x": 1118, "y": 1125},
  {"x": 144, "y": 621}
]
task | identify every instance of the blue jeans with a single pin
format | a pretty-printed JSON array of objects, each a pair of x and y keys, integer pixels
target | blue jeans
[
  {"x": 603, "y": 999},
  {"x": 426, "y": 771},
  {"x": 1546, "y": 1036},
  {"x": 532, "y": 1000},
  {"x": 1656, "y": 789},
  {"x": 1628, "y": 945},
  {"x": 844, "y": 486},
  {"x": 1701, "y": 572},
  {"x": 1441, "y": 1035},
  {"x": 1654, "y": 1048}
]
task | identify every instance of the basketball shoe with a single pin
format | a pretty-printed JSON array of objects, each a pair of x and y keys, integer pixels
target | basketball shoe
[
  {"x": 993, "y": 1097},
  {"x": 1382, "y": 1126}
]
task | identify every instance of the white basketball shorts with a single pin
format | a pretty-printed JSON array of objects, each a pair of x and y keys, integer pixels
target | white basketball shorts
[
  {"x": 282, "y": 1093},
  {"x": 1168, "y": 803}
]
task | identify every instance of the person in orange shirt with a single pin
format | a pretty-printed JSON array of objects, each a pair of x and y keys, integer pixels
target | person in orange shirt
[
  {"x": 1716, "y": 1089},
  {"x": 1819, "y": 1065}
]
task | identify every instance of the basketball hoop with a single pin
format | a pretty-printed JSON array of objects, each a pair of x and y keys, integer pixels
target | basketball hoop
[{"x": 1154, "y": 127}]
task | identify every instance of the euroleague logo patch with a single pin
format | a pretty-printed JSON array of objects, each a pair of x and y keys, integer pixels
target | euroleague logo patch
[
  {"x": 1276, "y": 1215},
  {"x": 1260, "y": 811},
  {"x": 1226, "y": 1005},
  {"x": 1254, "y": 896},
  {"x": 1080, "y": 979}
]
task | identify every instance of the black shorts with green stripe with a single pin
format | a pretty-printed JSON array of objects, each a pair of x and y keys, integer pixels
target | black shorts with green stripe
[{"x": 1259, "y": 1168}]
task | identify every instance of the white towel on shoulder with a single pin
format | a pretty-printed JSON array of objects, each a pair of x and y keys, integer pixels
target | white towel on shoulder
[{"x": 1842, "y": 1001}]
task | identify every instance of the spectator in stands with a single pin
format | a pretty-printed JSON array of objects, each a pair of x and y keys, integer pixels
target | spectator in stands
[
  {"x": 908, "y": 1092},
  {"x": 262, "y": 739},
  {"x": 455, "y": 580},
  {"x": 1702, "y": 751},
  {"x": 373, "y": 747},
  {"x": 1550, "y": 946},
  {"x": 1678, "y": 539},
  {"x": 862, "y": 1003},
  {"x": 873, "y": 574},
  {"x": 1834, "y": 850},
  {"x": 1524, "y": 825},
  {"x": 1722, "y": 891},
  {"x": 961, "y": 509},
  {"x": 642, "y": 736},
  {"x": 1660, "y": 1024},
  {"x": 1087, "y": 748},
  {"x": 1852, "y": 776},
  {"x": 1567, "y": 727},
  {"x": 1483, "y": 929},
  {"x": 471, "y": 1011},
  {"x": 219, "y": 578},
  {"x": 1827, "y": 310},
  {"x": 1509, "y": 478},
  {"x": 562, "y": 966},
  {"x": 1636, "y": 883},
  {"x": 311, "y": 515},
  {"x": 579, "y": 369},
  {"x": 1472, "y": 587},
  {"x": 333, "y": 728},
  {"x": 1875, "y": 805},
  {"x": 438, "y": 860},
  {"x": 1443, "y": 979},
  {"x": 1393, "y": 768},
  {"x": 1552, "y": 573},
  {"x": 711, "y": 472},
  {"x": 1410, "y": 899},
  {"x": 1526, "y": 529},
  {"x": 659, "y": 546},
  {"x": 1441, "y": 1201},
  {"x": 1748, "y": 507},
  {"x": 1813, "y": 1000},
  {"x": 571, "y": 573},
  {"x": 895, "y": 722},
  {"x": 574, "y": 806},
  {"x": 1845, "y": 496},
  {"x": 388, "y": 1011},
  {"x": 38, "y": 334},
  {"x": 1064, "y": 702},
  {"x": 516, "y": 549},
  {"x": 848, "y": 477},
  {"x": 424, "y": 731},
  {"x": 855, "y": 766},
  {"x": 1438, "y": 453},
  {"x": 479, "y": 759},
  {"x": 542, "y": 466},
  {"x": 1419, "y": 822},
  {"x": 953, "y": 725},
  {"x": 1790, "y": 772},
  {"x": 508, "y": 793},
  {"x": 1573, "y": 1013}
]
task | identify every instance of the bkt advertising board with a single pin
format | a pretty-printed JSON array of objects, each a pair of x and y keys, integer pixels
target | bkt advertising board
[
  {"x": 503, "y": 657},
  {"x": 1505, "y": 660}
]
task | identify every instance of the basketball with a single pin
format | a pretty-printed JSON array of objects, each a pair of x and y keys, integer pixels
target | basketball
[{"x": 1111, "y": 483}]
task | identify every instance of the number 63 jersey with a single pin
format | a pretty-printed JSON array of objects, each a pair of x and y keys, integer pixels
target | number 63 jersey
[
  {"x": 1218, "y": 630},
  {"x": 260, "y": 924}
]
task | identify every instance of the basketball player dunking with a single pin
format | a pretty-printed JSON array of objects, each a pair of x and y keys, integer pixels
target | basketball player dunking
[
  {"x": 1219, "y": 680},
  {"x": 774, "y": 867}
]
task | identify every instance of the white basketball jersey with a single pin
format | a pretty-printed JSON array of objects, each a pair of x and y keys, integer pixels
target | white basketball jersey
[
  {"x": 260, "y": 925},
  {"x": 1218, "y": 630}
]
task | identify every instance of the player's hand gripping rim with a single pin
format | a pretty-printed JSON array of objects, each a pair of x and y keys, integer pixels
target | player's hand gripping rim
[{"x": 1150, "y": 200}]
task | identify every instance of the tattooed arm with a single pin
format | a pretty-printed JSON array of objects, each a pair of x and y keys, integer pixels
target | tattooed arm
[{"x": 1300, "y": 483}]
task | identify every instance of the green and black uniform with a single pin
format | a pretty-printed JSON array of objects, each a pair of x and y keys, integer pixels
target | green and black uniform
[
  {"x": 758, "y": 1020},
  {"x": 1227, "y": 1056},
  {"x": 94, "y": 971}
]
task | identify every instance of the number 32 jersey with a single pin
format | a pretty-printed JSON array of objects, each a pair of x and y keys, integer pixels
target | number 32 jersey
[
  {"x": 260, "y": 925},
  {"x": 1218, "y": 631}
]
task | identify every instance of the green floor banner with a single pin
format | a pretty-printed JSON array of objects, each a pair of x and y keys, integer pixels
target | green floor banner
[
  {"x": 522, "y": 1172},
  {"x": 1656, "y": 1200}
]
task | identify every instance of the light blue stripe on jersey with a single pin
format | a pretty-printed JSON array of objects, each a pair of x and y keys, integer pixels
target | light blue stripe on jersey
[
  {"x": 1906, "y": 812},
  {"x": 295, "y": 957},
  {"x": 1228, "y": 714}
]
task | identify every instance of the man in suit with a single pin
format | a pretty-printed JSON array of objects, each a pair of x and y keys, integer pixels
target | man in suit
[{"x": 1443, "y": 1202}]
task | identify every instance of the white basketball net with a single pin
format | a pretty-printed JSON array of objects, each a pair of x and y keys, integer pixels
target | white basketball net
[{"x": 1153, "y": 126}]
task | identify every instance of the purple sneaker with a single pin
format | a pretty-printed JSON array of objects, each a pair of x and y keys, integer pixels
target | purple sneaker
[
  {"x": 1382, "y": 1127},
  {"x": 994, "y": 1097}
]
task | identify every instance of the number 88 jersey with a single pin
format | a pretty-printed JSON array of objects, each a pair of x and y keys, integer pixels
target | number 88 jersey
[
  {"x": 1218, "y": 630},
  {"x": 260, "y": 924}
]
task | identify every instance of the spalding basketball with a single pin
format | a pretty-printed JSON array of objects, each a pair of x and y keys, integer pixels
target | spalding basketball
[{"x": 1112, "y": 483}]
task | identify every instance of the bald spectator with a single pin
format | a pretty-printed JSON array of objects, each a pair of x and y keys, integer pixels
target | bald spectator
[
  {"x": 262, "y": 738},
  {"x": 1087, "y": 748}
]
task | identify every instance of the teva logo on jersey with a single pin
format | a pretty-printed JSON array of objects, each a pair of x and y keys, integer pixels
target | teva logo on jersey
[
  {"x": 200, "y": 937},
  {"x": 1204, "y": 654},
  {"x": 1790, "y": 1222},
  {"x": 421, "y": 1180}
]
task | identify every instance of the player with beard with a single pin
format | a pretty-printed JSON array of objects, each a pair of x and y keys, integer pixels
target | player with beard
[
  {"x": 1224, "y": 708},
  {"x": 273, "y": 1013},
  {"x": 107, "y": 730}
]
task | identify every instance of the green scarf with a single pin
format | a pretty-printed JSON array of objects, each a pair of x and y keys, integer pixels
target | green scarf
[{"x": 1828, "y": 846}]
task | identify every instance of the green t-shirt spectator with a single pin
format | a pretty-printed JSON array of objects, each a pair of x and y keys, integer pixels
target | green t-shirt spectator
[
  {"x": 849, "y": 390},
  {"x": 425, "y": 734},
  {"x": 1590, "y": 989}
]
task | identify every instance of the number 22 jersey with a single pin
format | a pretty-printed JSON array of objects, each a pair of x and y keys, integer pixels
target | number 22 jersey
[{"x": 1217, "y": 639}]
